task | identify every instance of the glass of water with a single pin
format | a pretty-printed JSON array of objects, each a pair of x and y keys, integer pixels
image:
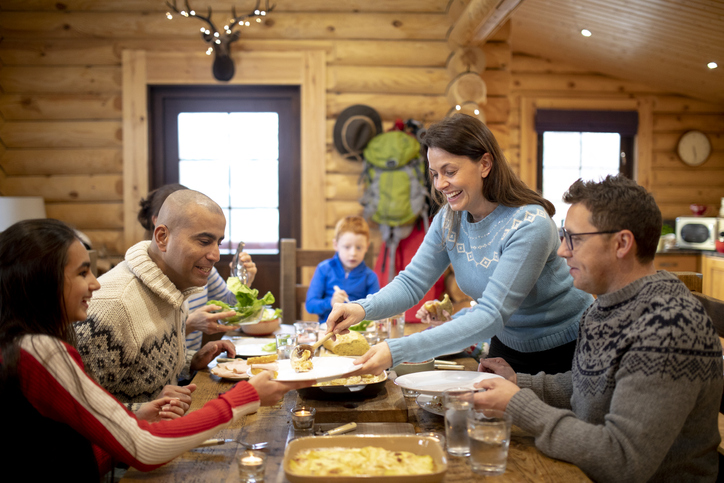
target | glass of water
[
  {"x": 489, "y": 433},
  {"x": 458, "y": 403},
  {"x": 285, "y": 344}
]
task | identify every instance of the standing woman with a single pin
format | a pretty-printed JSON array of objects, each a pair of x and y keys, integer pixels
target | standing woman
[
  {"x": 56, "y": 417},
  {"x": 499, "y": 237}
]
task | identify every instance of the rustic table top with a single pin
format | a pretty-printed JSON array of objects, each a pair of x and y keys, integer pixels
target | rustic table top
[{"x": 386, "y": 413}]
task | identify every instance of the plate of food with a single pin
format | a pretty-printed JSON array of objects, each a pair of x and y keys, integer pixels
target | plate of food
[
  {"x": 234, "y": 371},
  {"x": 434, "y": 383},
  {"x": 253, "y": 346},
  {"x": 322, "y": 368},
  {"x": 431, "y": 404}
]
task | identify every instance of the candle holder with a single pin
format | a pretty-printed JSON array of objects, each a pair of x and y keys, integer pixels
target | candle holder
[
  {"x": 251, "y": 466},
  {"x": 303, "y": 417}
]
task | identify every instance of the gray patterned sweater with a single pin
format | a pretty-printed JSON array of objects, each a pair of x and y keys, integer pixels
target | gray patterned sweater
[
  {"x": 133, "y": 342},
  {"x": 642, "y": 399}
]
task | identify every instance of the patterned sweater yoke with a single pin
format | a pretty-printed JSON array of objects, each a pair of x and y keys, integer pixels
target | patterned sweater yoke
[{"x": 133, "y": 342}]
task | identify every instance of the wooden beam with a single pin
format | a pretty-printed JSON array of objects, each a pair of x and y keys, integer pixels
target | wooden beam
[{"x": 479, "y": 20}]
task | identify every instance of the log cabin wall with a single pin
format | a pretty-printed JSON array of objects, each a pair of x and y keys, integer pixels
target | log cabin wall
[
  {"x": 663, "y": 118},
  {"x": 62, "y": 75}
]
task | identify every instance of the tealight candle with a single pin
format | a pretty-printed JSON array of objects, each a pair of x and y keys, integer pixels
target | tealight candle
[
  {"x": 303, "y": 417},
  {"x": 251, "y": 466}
]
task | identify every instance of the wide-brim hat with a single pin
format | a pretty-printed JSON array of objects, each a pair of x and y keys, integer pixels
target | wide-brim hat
[{"x": 354, "y": 128}]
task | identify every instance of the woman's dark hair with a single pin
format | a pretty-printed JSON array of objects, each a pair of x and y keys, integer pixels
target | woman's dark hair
[
  {"x": 151, "y": 205},
  {"x": 467, "y": 136},
  {"x": 33, "y": 256}
]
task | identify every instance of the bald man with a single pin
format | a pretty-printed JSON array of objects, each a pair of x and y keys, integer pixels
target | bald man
[{"x": 133, "y": 342}]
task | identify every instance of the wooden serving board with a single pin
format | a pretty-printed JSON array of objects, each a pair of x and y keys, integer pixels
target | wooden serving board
[{"x": 388, "y": 406}]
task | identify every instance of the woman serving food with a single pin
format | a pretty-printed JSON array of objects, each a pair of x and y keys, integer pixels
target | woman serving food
[{"x": 499, "y": 237}]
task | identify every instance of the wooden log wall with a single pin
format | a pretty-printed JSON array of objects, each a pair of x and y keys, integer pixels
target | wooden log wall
[
  {"x": 61, "y": 78},
  {"x": 664, "y": 118}
]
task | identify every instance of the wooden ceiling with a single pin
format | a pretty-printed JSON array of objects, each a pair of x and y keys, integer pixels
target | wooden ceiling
[{"x": 663, "y": 43}]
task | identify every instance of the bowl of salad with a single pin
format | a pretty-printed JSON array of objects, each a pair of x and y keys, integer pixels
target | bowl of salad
[{"x": 270, "y": 321}]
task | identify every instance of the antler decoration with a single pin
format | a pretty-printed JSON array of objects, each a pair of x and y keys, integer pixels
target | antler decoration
[{"x": 220, "y": 42}]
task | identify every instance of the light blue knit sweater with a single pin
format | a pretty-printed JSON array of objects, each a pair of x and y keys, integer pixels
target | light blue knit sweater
[{"x": 508, "y": 263}]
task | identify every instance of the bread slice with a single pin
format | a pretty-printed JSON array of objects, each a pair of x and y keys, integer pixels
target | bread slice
[{"x": 263, "y": 363}]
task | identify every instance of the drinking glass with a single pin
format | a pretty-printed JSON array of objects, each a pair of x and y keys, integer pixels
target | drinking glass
[
  {"x": 251, "y": 466},
  {"x": 306, "y": 331},
  {"x": 458, "y": 403},
  {"x": 383, "y": 329},
  {"x": 396, "y": 326},
  {"x": 489, "y": 433},
  {"x": 285, "y": 344}
]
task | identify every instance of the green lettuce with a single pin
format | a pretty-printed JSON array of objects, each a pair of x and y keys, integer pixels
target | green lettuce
[{"x": 248, "y": 305}]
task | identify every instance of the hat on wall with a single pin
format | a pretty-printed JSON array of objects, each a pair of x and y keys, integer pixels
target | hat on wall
[{"x": 354, "y": 128}]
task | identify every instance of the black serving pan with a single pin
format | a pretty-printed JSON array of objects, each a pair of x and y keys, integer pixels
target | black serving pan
[{"x": 343, "y": 392}]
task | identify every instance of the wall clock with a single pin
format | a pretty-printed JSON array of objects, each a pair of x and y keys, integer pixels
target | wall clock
[{"x": 694, "y": 148}]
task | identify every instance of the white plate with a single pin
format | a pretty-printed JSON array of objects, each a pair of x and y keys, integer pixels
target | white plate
[
  {"x": 435, "y": 382},
  {"x": 425, "y": 401},
  {"x": 250, "y": 346},
  {"x": 325, "y": 369}
]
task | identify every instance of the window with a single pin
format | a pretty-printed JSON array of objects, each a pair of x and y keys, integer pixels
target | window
[
  {"x": 219, "y": 149},
  {"x": 581, "y": 144}
]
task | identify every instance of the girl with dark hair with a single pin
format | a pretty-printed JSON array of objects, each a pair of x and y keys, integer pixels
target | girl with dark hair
[
  {"x": 45, "y": 390},
  {"x": 499, "y": 237},
  {"x": 202, "y": 318}
]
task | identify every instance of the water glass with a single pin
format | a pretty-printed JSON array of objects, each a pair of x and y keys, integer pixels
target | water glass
[
  {"x": 489, "y": 433},
  {"x": 251, "y": 466},
  {"x": 396, "y": 326},
  {"x": 306, "y": 332},
  {"x": 458, "y": 403},
  {"x": 382, "y": 328},
  {"x": 285, "y": 344}
]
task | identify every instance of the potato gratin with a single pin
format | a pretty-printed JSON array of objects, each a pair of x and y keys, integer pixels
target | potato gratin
[{"x": 367, "y": 461}]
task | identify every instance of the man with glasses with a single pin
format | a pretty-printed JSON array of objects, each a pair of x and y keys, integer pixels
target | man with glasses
[{"x": 641, "y": 401}]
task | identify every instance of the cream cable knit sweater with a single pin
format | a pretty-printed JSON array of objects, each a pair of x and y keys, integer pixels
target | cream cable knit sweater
[{"x": 133, "y": 342}]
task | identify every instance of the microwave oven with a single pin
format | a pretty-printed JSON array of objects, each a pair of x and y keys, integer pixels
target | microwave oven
[{"x": 698, "y": 232}]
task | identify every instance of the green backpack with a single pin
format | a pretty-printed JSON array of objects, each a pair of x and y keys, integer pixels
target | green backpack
[{"x": 395, "y": 192}]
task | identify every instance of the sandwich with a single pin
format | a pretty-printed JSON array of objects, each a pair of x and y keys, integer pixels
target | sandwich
[
  {"x": 264, "y": 363},
  {"x": 436, "y": 308}
]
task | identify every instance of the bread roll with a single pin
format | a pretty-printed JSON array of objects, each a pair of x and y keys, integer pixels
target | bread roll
[
  {"x": 436, "y": 307},
  {"x": 352, "y": 344}
]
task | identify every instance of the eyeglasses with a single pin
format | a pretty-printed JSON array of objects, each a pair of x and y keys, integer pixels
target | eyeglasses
[{"x": 569, "y": 236}]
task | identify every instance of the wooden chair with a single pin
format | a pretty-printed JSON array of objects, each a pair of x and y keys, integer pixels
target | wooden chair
[
  {"x": 693, "y": 280},
  {"x": 293, "y": 292}
]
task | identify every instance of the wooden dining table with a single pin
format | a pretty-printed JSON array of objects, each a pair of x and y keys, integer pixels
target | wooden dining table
[{"x": 387, "y": 412}]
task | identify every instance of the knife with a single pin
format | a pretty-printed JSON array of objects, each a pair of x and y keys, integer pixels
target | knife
[
  {"x": 214, "y": 442},
  {"x": 449, "y": 367},
  {"x": 339, "y": 430}
]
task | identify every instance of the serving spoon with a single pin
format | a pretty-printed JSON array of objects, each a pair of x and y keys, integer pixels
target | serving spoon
[{"x": 298, "y": 350}]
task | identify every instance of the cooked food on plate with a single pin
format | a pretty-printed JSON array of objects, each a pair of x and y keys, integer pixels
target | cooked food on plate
[
  {"x": 350, "y": 344},
  {"x": 264, "y": 363},
  {"x": 436, "y": 307},
  {"x": 367, "y": 461},
  {"x": 304, "y": 363}
]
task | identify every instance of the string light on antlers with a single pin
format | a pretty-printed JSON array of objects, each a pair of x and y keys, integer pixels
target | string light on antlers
[{"x": 223, "y": 68}]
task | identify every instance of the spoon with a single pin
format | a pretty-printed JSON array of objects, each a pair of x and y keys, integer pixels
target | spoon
[{"x": 298, "y": 350}]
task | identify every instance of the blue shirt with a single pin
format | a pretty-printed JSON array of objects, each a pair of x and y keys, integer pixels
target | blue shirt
[
  {"x": 508, "y": 263},
  {"x": 358, "y": 283}
]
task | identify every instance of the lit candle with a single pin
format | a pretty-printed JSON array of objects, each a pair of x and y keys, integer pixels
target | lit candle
[
  {"x": 251, "y": 466},
  {"x": 303, "y": 417}
]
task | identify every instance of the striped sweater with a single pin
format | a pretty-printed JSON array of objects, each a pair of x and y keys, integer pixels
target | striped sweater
[{"x": 79, "y": 418}]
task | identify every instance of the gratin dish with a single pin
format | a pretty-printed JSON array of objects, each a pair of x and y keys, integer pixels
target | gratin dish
[{"x": 418, "y": 445}]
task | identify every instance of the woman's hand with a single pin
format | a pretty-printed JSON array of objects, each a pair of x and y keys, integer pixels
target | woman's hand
[
  {"x": 498, "y": 393},
  {"x": 427, "y": 318},
  {"x": 497, "y": 365},
  {"x": 206, "y": 320},
  {"x": 374, "y": 361},
  {"x": 163, "y": 409},
  {"x": 271, "y": 391},
  {"x": 344, "y": 316},
  {"x": 180, "y": 393}
]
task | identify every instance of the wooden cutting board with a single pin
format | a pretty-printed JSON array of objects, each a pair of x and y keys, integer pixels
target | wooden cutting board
[{"x": 388, "y": 406}]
